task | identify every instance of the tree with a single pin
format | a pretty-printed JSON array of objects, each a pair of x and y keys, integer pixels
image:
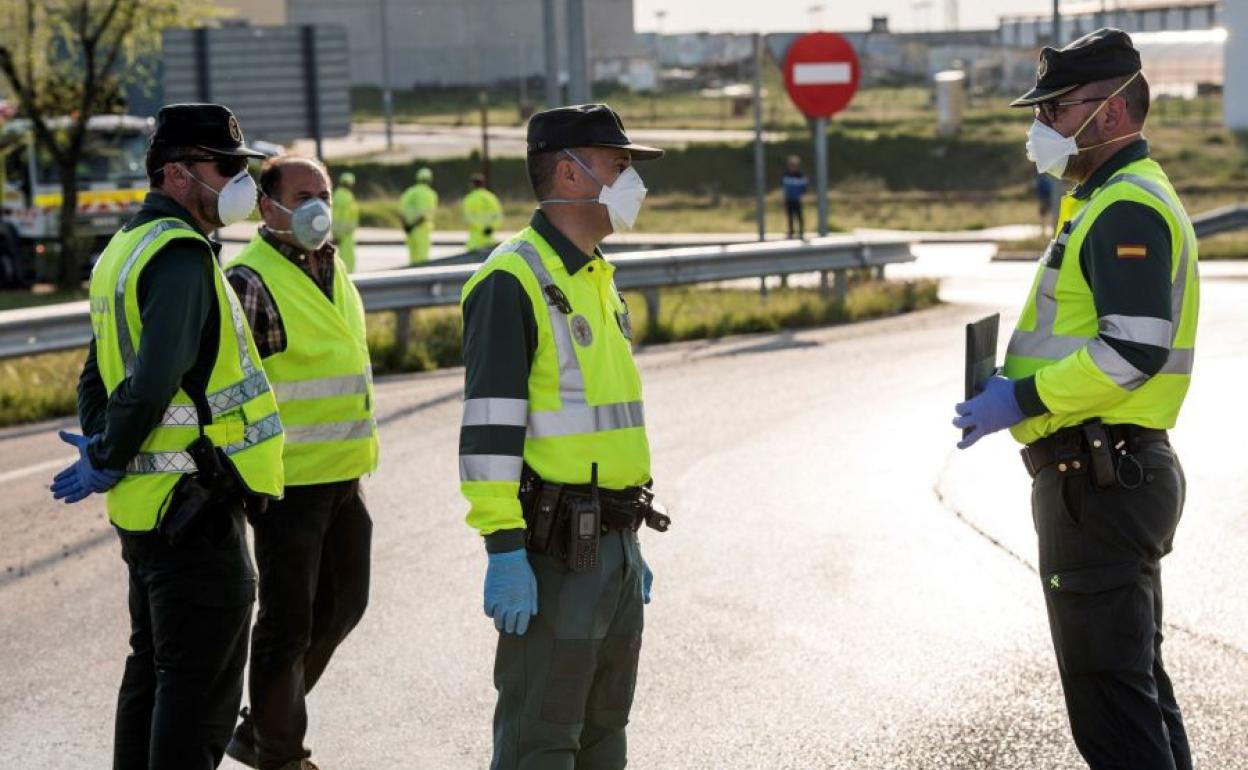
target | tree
[{"x": 68, "y": 60}]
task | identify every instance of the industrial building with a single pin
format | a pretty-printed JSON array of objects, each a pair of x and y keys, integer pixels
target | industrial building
[{"x": 455, "y": 42}]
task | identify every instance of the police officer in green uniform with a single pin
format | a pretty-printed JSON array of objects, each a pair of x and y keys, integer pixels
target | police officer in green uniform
[
  {"x": 554, "y": 459},
  {"x": 1095, "y": 374},
  {"x": 182, "y": 430}
]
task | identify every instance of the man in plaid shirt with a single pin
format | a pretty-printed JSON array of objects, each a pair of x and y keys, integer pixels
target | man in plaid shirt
[{"x": 312, "y": 546}]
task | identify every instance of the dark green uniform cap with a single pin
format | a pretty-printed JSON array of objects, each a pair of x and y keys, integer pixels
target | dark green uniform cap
[
  {"x": 1100, "y": 55},
  {"x": 583, "y": 125},
  {"x": 209, "y": 127}
]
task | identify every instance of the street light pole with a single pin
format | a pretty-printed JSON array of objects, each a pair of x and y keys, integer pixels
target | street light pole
[
  {"x": 387, "y": 98},
  {"x": 1057, "y": 24},
  {"x": 578, "y": 53},
  {"x": 550, "y": 45},
  {"x": 760, "y": 177}
]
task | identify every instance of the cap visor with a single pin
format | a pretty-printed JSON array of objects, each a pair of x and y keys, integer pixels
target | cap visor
[
  {"x": 242, "y": 151},
  {"x": 642, "y": 152},
  {"x": 1038, "y": 95}
]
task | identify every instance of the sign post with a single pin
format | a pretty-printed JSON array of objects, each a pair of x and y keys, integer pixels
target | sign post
[{"x": 821, "y": 74}]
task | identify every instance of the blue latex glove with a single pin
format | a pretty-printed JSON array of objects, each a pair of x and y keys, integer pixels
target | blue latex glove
[
  {"x": 510, "y": 591},
  {"x": 647, "y": 580},
  {"x": 81, "y": 479},
  {"x": 994, "y": 409}
]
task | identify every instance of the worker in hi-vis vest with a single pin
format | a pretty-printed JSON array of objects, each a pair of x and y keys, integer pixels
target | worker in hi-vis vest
[
  {"x": 313, "y": 546},
  {"x": 554, "y": 459},
  {"x": 1095, "y": 375},
  {"x": 417, "y": 207},
  {"x": 181, "y": 429}
]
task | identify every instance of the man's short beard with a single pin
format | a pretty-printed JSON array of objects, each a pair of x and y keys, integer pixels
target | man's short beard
[
  {"x": 205, "y": 204},
  {"x": 1078, "y": 166}
]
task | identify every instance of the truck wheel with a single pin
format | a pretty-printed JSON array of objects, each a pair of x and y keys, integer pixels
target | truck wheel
[{"x": 10, "y": 275}]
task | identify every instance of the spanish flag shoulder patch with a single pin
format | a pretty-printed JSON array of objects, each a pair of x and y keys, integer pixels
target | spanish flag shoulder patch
[{"x": 1132, "y": 251}]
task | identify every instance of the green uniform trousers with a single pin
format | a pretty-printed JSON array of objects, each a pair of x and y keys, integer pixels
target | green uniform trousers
[
  {"x": 1100, "y": 554},
  {"x": 565, "y": 688},
  {"x": 418, "y": 242}
]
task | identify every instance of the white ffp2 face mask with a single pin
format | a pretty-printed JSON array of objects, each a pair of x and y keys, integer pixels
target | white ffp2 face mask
[
  {"x": 310, "y": 222},
  {"x": 1051, "y": 151},
  {"x": 623, "y": 197},
  {"x": 236, "y": 200}
]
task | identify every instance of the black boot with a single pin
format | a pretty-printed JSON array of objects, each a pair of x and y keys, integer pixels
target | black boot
[{"x": 242, "y": 746}]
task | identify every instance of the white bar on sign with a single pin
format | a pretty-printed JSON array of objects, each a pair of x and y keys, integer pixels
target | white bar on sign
[{"x": 823, "y": 74}]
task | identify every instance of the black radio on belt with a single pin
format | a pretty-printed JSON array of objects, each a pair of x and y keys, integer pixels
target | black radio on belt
[{"x": 584, "y": 526}]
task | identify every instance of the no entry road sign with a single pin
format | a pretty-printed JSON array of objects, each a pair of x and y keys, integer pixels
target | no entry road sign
[{"x": 821, "y": 74}]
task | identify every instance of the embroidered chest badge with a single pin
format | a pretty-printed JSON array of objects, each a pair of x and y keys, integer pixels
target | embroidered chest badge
[
  {"x": 1132, "y": 251},
  {"x": 581, "y": 332}
]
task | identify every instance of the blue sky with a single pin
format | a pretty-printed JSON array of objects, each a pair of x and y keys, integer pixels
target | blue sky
[{"x": 795, "y": 15}]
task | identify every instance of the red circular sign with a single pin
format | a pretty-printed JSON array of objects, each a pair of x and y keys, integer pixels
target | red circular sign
[{"x": 821, "y": 73}]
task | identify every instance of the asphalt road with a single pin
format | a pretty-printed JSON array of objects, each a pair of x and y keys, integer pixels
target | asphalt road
[{"x": 841, "y": 587}]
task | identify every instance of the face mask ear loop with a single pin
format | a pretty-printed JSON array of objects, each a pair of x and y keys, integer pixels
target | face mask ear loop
[
  {"x": 1097, "y": 111},
  {"x": 578, "y": 162}
]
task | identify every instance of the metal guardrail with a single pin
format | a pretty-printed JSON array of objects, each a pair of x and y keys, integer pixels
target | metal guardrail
[
  {"x": 1223, "y": 220},
  {"x": 65, "y": 326}
]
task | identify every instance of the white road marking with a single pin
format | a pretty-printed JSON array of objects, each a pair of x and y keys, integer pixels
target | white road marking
[{"x": 30, "y": 470}]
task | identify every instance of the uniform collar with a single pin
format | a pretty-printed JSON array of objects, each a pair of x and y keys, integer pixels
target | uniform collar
[
  {"x": 1137, "y": 150},
  {"x": 158, "y": 205},
  {"x": 573, "y": 258}
]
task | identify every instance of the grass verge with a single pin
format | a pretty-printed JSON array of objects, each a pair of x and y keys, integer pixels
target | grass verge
[
  {"x": 41, "y": 387},
  {"x": 38, "y": 387}
]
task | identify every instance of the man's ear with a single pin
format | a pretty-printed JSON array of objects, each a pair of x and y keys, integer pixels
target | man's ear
[
  {"x": 179, "y": 179},
  {"x": 1117, "y": 117}
]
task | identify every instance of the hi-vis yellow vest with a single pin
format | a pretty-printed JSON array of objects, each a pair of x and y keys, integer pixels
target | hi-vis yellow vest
[
  {"x": 584, "y": 402},
  {"x": 1078, "y": 376},
  {"x": 243, "y": 418},
  {"x": 323, "y": 379}
]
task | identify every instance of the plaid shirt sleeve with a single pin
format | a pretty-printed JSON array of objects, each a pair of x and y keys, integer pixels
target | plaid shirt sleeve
[{"x": 260, "y": 309}]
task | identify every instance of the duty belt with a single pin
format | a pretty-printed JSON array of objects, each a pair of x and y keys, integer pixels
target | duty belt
[
  {"x": 626, "y": 508},
  {"x": 1072, "y": 451}
]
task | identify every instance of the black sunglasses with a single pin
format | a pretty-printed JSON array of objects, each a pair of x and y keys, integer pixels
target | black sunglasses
[
  {"x": 227, "y": 165},
  {"x": 1049, "y": 110}
]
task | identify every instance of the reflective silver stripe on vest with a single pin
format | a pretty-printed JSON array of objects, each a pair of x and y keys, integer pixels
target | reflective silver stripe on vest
[
  {"x": 1145, "y": 330},
  {"x": 219, "y": 402},
  {"x": 581, "y": 418},
  {"x": 330, "y": 431},
  {"x": 1111, "y": 363},
  {"x": 128, "y": 356},
  {"x": 1043, "y": 343},
  {"x": 575, "y": 416},
  {"x": 321, "y": 387},
  {"x": 1180, "y": 361},
  {"x": 181, "y": 462},
  {"x": 490, "y": 467},
  {"x": 571, "y": 380},
  {"x": 1179, "y": 287},
  {"x": 240, "y": 330},
  {"x": 254, "y": 382},
  {"x": 496, "y": 411}
]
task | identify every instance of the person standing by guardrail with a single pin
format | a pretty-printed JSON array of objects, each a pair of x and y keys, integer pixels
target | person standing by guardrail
[
  {"x": 313, "y": 545},
  {"x": 1095, "y": 374},
  {"x": 554, "y": 459},
  {"x": 173, "y": 396},
  {"x": 794, "y": 183},
  {"x": 483, "y": 213},
  {"x": 346, "y": 216},
  {"x": 417, "y": 207}
]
